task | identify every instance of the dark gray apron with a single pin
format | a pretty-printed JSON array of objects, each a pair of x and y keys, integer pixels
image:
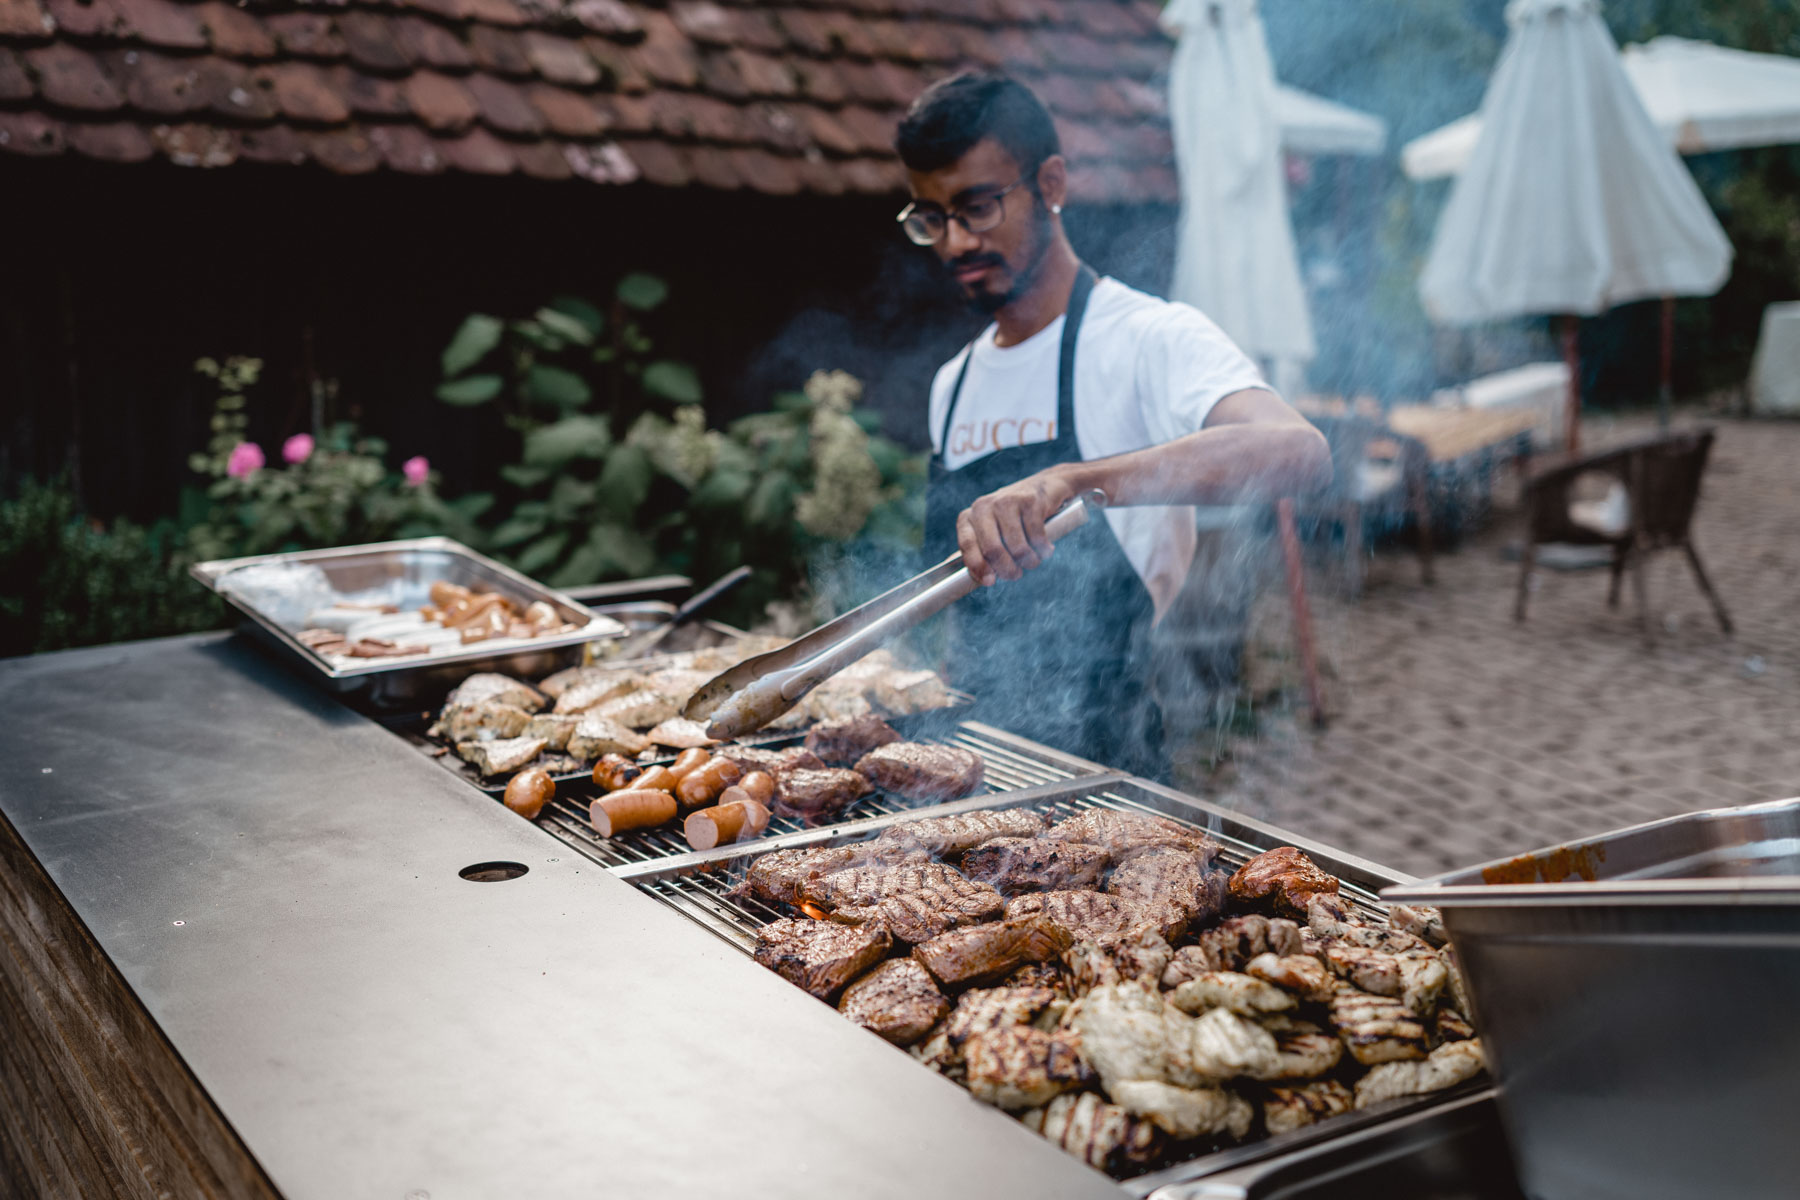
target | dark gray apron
[{"x": 1061, "y": 655}]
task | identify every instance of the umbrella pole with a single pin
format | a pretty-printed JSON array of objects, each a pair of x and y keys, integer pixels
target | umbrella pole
[
  {"x": 1665, "y": 392},
  {"x": 1571, "y": 348}
]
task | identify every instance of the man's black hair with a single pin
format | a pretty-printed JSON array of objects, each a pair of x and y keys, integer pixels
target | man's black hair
[{"x": 951, "y": 115}]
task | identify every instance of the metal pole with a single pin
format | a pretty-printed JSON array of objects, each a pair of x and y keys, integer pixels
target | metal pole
[
  {"x": 1665, "y": 393},
  {"x": 1571, "y": 348}
]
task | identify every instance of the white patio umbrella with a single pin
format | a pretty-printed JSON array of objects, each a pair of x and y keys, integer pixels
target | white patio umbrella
[
  {"x": 1571, "y": 201},
  {"x": 1235, "y": 257},
  {"x": 1700, "y": 96},
  {"x": 1314, "y": 125}
]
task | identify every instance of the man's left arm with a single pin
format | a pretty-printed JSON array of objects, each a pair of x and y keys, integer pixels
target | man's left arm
[{"x": 1253, "y": 446}]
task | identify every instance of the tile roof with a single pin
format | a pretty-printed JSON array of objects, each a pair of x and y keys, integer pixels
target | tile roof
[{"x": 798, "y": 96}]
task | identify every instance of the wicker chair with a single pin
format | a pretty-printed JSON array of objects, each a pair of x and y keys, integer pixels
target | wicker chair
[{"x": 1650, "y": 507}]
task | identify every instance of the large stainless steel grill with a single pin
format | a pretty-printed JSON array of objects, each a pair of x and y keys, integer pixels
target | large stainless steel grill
[
  {"x": 1011, "y": 763},
  {"x": 703, "y": 887}
]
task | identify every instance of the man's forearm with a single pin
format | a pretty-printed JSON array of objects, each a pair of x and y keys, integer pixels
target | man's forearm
[{"x": 1224, "y": 465}]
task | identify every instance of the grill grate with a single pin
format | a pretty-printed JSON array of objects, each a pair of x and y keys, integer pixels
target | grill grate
[
  {"x": 704, "y": 890},
  {"x": 1011, "y": 764}
]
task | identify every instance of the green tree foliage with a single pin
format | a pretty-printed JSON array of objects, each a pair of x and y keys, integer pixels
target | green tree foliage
[{"x": 617, "y": 472}]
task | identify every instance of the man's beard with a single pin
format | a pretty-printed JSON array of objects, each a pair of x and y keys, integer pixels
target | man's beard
[{"x": 988, "y": 303}]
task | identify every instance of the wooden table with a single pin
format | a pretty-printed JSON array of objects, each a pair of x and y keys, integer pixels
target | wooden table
[{"x": 1454, "y": 434}]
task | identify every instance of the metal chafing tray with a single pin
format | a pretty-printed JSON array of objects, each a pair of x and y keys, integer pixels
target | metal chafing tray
[
  {"x": 1635, "y": 994},
  {"x": 702, "y": 885},
  {"x": 405, "y": 572}
]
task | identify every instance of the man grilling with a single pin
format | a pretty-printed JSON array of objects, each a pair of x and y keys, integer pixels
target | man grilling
[{"x": 1079, "y": 383}]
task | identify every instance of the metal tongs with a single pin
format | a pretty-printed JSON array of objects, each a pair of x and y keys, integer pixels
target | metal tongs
[{"x": 758, "y": 690}]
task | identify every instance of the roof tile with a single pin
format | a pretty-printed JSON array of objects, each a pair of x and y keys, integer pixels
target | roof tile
[
  {"x": 370, "y": 95},
  {"x": 704, "y": 22},
  {"x": 30, "y": 133},
  {"x": 685, "y": 116},
  {"x": 763, "y": 75},
  {"x": 495, "y": 12},
  {"x": 229, "y": 89},
  {"x": 819, "y": 176},
  {"x": 344, "y": 151},
  {"x": 541, "y": 160},
  {"x": 560, "y": 60},
  {"x": 306, "y": 35},
  {"x": 618, "y": 66},
  {"x": 975, "y": 45},
  {"x": 609, "y": 17},
  {"x": 631, "y": 114},
  {"x": 478, "y": 152},
  {"x": 113, "y": 141},
  {"x": 778, "y": 126},
  {"x": 15, "y": 84},
  {"x": 158, "y": 83},
  {"x": 272, "y": 144},
  {"x": 874, "y": 131},
  {"x": 406, "y": 148},
  {"x": 568, "y": 113},
  {"x": 665, "y": 55},
  {"x": 443, "y": 104},
  {"x": 847, "y": 34},
  {"x": 878, "y": 176},
  {"x": 304, "y": 93},
  {"x": 820, "y": 81},
  {"x": 25, "y": 19},
  {"x": 164, "y": 23},
  {"x": 196, "y": 145},
  {"x": 1063, "y": 94},
  {"x": 601, "y": 162},
  {"x": 371, "y": 43},
  {"x": 765, "y": 172},
  {"x": 719, "y": 74},
  {"x": 713, "y": 169},
  {"x": 826, "y": 130},
  {"x": 72, "y": 78},
  {"x": 500, "y": 51},
  {"x": 659, "y": 163},
  {"x": 428, "y": 42},
  {"x": 503, "y": 106},
  {"x": 98, "y": 19},
  {"x": 806, "y": 30},
  {"x": 1103, "y": 18},
  {"x": 233, "y": 32}
]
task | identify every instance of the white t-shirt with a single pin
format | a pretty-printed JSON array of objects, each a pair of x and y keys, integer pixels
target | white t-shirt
[{"x": 1147, "y": 371}]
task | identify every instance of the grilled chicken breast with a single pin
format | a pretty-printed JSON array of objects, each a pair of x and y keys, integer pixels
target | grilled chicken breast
[
  {"x": 1286, "y": 1109},
  {"x": 1018, "y": 1066},
  {"x": 500, "y": 689},
  {"x": 1102, "y": 1135},
  {"x": 1446, "y": 1066}
]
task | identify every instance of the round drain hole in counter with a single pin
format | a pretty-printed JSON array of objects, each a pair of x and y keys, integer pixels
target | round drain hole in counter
[{"x": 493, "y": 872}]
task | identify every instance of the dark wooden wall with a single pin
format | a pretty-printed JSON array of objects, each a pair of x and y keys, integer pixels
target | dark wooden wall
[{"x": 118, "y": 277}]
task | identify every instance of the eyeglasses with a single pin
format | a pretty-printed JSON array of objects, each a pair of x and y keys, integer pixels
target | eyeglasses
[{"x": 927, "y": 225}]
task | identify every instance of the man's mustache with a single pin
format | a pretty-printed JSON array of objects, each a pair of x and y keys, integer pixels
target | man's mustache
[{"x": 966, "y": 261}]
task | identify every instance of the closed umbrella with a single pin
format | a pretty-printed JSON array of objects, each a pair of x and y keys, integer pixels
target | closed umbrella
[
  {"x": 1235, "y": 257},
  {"x": 1314, "y": 125},
  {"x": 1571, "y": 201}
]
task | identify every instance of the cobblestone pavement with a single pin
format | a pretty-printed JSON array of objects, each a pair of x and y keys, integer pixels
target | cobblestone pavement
[{"x": 1458, "y": 736}]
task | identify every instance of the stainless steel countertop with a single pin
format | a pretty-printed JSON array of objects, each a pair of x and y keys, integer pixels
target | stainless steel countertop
[{"x": 276, "y": 877}]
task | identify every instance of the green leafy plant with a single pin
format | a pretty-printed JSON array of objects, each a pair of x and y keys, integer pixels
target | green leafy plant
[
  {"x": 619, "y": 474},
  {"x": 333, "y": 490},
  {"x": 68, "y": 581}
]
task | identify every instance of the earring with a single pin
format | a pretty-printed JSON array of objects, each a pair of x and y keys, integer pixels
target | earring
[{"x": 1057, "y": 209}]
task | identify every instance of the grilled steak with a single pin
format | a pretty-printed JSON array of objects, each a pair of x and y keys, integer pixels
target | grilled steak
[
  {"x": 1021, "y": 1067},
  {"x": 921, "y": 772},
  {"x": 777, "y": 878},
  {"x": 773, "y": 762},
  {"x": 1102, "y": 1135},
  {"x": 1044, "y": 974},
  {"x": 819, "y": 956},
  {"x": 1124, "y": 834},
  {"x": 818, "y": 794},
  {"x": 915, "y": 901},
  {"x": 947, "y": 836},
  {"x": 988, "y": 951},
  {"x": 1174, "y": 882},
  {"x": 1376, "y": 1029},
  {"x": 1282, "y": 879},
  {"x": 1449, "y": 1064},
  {"x": 841, "y": 743},
  {"x": 995, "y": 1008},
  {"x": 897, "y": 1000},
  {"x": 1016, "y": 865},
  {"x": 1286, "y": 1109},
  {"x": 1089, "y": 916},
  {"x": 499, "y": 689}
]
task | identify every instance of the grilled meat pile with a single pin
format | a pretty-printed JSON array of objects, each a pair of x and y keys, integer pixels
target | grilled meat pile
[
  {"x": 568, "y": 720},
  {"x": 1102, "y": 980}
]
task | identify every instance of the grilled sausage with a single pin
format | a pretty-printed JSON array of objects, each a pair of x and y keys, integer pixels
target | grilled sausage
[
  {"x": 725, "y": 823},
  {"x": 615, "y": 772},
  {"x": 702, "y": 787},
  {"x": 634, "y": 808},
  {"x": 689, "y": 761},
  {"x": 659, "y": 779},
  {"x": 758, "y": 786},
  {"x": 528, "y": 792}
]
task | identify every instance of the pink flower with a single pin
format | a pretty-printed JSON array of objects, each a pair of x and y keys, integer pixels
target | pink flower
[
  {"x": 246, "y": 457},
  {"x": 297, "y": 449},
  {"x": 416, "y": 469}
]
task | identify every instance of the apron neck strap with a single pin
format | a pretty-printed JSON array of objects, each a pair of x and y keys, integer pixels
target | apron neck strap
[{"x": 1085, "y": 279}]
